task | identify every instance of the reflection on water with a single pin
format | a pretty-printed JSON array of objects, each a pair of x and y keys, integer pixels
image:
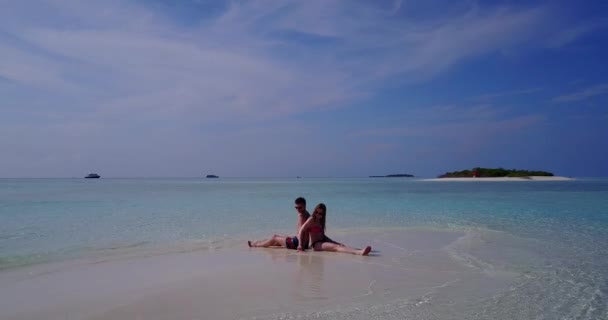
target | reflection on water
[
  {"x": 307, "y": 273},
  {"x": 309, "y": 277}
]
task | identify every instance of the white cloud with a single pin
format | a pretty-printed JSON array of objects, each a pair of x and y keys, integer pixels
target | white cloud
[
  {"x": 570, "y": 34},
  {"x": 583, "y": 94},
  {"x": 491, "y": 96},
  {"x": 122, "y": 77},
  {"x": 235, "y": 65}
]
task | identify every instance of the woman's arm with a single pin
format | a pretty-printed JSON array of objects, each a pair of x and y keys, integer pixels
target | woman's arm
[{"x": 305, "y": 226}]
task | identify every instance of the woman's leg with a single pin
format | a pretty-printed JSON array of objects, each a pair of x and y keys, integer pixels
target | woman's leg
[
  {"x": 328, "y": 246},
  {"x": 275, "y": 241}
]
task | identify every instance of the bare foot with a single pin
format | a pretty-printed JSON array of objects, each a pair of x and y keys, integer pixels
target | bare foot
[{"x": 366, "y": 251}]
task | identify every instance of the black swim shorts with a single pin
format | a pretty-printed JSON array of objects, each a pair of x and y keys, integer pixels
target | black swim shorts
[{"x": 292, "y": 243}]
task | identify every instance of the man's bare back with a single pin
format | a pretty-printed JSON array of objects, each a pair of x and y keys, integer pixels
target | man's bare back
[
  {"x": 286, "y": 241},
  {"x": 303, "y": 215}
]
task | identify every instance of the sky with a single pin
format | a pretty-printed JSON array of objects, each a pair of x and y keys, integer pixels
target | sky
[{"x": 315, "y": 88}]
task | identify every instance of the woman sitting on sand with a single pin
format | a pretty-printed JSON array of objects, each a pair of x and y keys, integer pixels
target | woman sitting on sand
[{"x": 315, "y": 225}]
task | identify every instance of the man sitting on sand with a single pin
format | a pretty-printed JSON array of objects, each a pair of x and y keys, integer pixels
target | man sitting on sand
[
  {"x": 302, "y": 238},
  {"x": 288, "y": 242}
]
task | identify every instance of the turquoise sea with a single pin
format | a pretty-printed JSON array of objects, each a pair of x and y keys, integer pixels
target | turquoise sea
[{"x": 555, "y": 232}]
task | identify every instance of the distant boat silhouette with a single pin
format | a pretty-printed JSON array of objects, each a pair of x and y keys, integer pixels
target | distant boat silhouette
[
  {"x": 212, "y": 176},
  {"x": 92, "y": 176}
]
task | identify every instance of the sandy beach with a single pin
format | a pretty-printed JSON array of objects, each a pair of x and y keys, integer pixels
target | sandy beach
[
  {"x": 532, "y": 178},
  {"x": 409, "y": 273}
]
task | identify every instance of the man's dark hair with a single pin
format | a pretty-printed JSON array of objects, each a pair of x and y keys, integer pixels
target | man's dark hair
[{"x": 300, "y": 200}]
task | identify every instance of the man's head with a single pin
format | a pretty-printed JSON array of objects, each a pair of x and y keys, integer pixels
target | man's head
[{"x": 300, "y": 204}]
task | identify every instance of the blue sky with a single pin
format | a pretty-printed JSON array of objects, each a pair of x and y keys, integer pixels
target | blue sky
[{"x": 309, "y": 88}]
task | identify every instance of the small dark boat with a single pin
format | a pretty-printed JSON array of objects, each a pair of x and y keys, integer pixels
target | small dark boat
[
  {"x": 92, "y": 176},
  {"x": 212, "y": 176}
]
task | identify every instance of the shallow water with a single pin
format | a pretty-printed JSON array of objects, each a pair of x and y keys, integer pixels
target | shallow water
[{"x": 550, "y": 235}]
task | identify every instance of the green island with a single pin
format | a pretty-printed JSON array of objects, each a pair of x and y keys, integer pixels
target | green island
[
  {"x": 395, "y": 175},
  {"x": 494, "y": 173}
]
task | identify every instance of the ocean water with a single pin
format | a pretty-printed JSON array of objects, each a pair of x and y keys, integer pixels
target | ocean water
[{"x": 553, "y": 232}]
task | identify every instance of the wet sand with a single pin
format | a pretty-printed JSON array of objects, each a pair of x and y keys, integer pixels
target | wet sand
[{"x": 413, "y": 273}]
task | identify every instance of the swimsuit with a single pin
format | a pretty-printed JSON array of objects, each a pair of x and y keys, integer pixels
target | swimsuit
[
  {"x": 313, "y": 244},
  {"x": 291, "y": 243},
  {"x": 316, "y": 229}
]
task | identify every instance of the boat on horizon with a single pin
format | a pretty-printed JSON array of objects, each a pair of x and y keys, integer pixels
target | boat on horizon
[
  {"x": 212, "y": 176},
  {"x": 92, "y": 176}
]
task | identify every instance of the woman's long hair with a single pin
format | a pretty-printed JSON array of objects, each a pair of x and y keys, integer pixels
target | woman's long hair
[{"x": 320, "y": 208}]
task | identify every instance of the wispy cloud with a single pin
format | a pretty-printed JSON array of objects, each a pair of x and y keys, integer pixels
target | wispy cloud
[
  {"x": 397, "y": 5},
  {"x": 448, "y": 136},
  {"x": 457, "y": 129},
  {"x": 152, "y": 79},
  {"x": 583, "y": 94},
  {"x": 571, "y": 34},
  {"x": 491, "y": 96},
  {"x": 131, "y": 57}
]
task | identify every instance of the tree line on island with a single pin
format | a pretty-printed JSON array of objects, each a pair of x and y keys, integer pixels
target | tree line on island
[
  {"x": 494, "y": 173},
  {"x": 395, "y": 175}
]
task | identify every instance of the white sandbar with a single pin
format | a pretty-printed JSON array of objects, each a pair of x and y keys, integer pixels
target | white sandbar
[{"x": 408, "y": 274}]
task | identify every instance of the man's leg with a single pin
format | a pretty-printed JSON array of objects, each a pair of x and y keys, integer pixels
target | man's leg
[{"x": 275, "y": 241}]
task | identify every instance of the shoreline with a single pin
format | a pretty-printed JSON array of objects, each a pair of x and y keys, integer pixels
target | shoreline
[
  {"x": 139, "y": 250},
  {"x": 497, "y": 179},
  {"x": 403, "y": 273}
]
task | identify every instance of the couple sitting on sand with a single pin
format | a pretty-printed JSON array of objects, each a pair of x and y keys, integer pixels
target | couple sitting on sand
[{"x": 310, "y": 227}]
